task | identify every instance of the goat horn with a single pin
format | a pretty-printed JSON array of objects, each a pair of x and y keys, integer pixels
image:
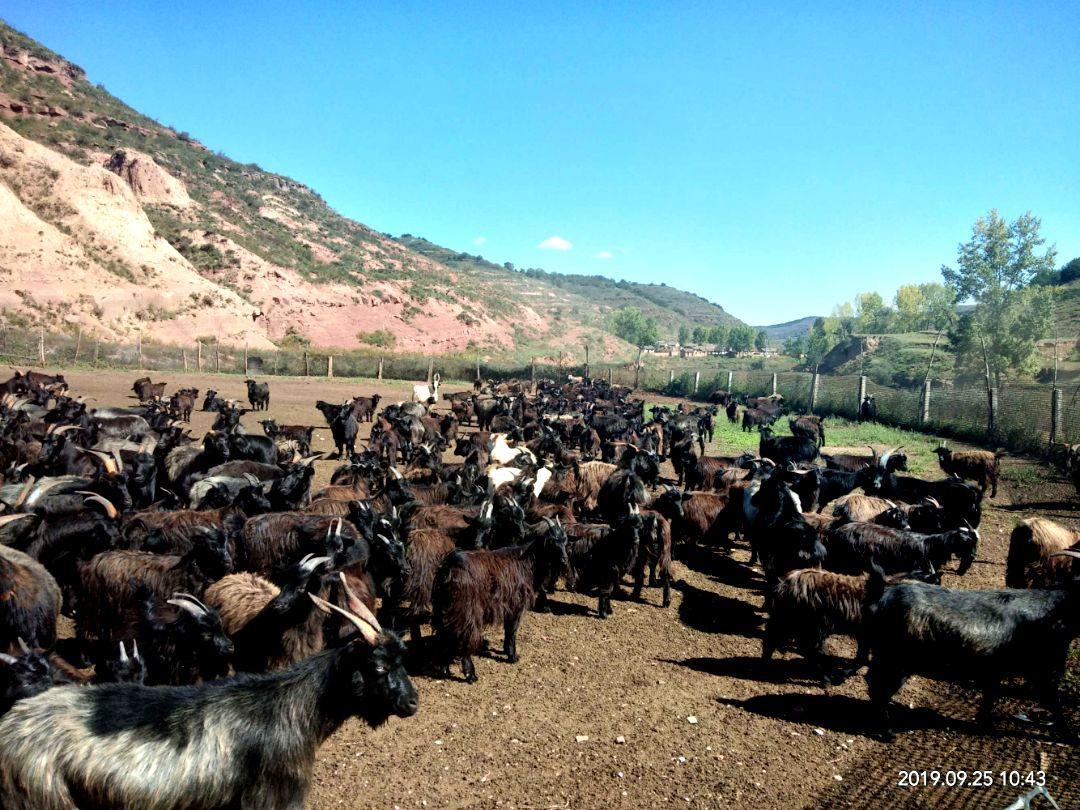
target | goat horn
[
  {"x": 307, "y": 461},
  {"x": 110, "y": 510},
  {"x": 369, "y": 634},
  {"x": 10, "y": 660},
  {"x": 311, "y": 562},
  {"x": 123, "y": 654},
  {"x": 6, "y": 519},
  {"x": 19, "y": 501},
  {"x": 135, "y": 649},
  {"x": 64, "y": 429},
  {"x": 191, "y": 598},
  {"x": 1068, "y": 552},
  {"x": 358, "y": 607},
  {"x": 184, "y": 604},
  {"x": 23, "y": 645}
]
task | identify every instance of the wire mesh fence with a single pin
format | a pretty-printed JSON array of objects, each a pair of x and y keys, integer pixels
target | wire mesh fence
[{"x": 1020, "y": 416}]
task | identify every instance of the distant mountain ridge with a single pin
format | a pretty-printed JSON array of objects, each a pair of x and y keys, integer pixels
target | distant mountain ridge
[
  {"x": 783, "y": 331},
  {"x": 118, "y": 225}
]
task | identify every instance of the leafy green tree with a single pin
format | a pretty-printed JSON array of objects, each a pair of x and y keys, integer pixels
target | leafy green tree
[
  {"x": 631, "y": 325},
  {"x": 1070, "y": 271},
  {"x": 761, "y": 340},
  {"x": 718, "y": 336},
  {"x": 996, "y": 269},
  {"x": 795, "y": 346},
  {"x": 741, "y": 338},
  {"x": 684, "y": 335},
  {"x": 701, "y": 334},
  {"x": 822, "y": 338},
  {"x": 872, "y": 313}
]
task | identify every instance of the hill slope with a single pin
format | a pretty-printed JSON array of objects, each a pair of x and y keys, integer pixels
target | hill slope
[
  {"x": 112, "y": 222},
  {"x": 783, "y": 331}
]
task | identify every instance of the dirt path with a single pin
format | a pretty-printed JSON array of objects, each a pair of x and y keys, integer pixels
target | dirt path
[{"x": 546, "y": 732}]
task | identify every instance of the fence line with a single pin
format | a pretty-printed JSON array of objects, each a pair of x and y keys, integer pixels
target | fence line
[{"x": 1030, "y": 417}]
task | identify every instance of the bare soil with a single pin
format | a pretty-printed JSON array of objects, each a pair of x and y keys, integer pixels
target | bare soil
[{"x": 659, "y": 706}]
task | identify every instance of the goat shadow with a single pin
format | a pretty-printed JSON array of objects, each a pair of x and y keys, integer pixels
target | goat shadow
[
  {"x": 721, "y": 567},
  {"x": 838, "y": 713},
  {"x": 753, "y": 668},
  {"x": 559, "y": 608},
  {"x": 713, "y": 613},
  {"x": 1041, "y": 506}
]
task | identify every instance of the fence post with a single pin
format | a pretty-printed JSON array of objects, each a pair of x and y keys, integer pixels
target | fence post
[
  {"x": 532, "y": 374},
  {"x": 609, "y": 376},
  {"x": 198, "y": 355},
  {"x": 637, "y": 374},
  {"x": 477, "y": 368},
  {"x": 78, "y": 347},
  {"x": 97, "y": 348},
  {"x": 217, "y": 358},
  {"x": 862, "y": 394},
  {"x": 307, "y": 367},
  {"x": 586, "y": 361},
  {"x": 1057, "y": 416},
  {"x": 697, "y": 380},
  {"x": 330, "y": 365},
  {"x": 41, "y": 347},
  {"x": 813, "y": 392},
  {"x": 774, "y": 384},
  {"x": 924, "y": 403},
  {"x": 670, "y": 377},
  {"x": 992, "y": 412},
  {"x": 430, "y": 369},
  {"x": 380, "y": 368},
  {"x": 184, "y": 352},
  {"x": 140, "y": 351},
  {"x": 245, "y": 360},
  {"x": 730, "y": 377}
]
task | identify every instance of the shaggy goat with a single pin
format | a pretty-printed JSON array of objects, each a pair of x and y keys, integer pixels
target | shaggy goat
[{"x": 980, "y": 466}]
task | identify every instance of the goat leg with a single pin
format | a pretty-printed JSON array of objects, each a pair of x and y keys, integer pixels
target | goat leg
[{"x": 510, "y": 628}]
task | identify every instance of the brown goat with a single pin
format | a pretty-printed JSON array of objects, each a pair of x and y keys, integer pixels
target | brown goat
[
  {"x": 1029, "y": 563},
  {"x": 980, "y": 466},
  {"x": 425, "y": 551},
  {"x": 859, "y": 508},
  {"x": 588, "y": 479},
  {"x": 30, "y": 601}
]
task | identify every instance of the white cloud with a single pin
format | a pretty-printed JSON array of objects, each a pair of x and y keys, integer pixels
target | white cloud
[
  {"x": 555, "y": 243},
  {"x": 605, "y": 255},
  {"x": 479, "y": 240}
]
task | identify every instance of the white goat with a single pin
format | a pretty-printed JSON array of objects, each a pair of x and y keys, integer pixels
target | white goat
[{"x": 422, "y": 392}]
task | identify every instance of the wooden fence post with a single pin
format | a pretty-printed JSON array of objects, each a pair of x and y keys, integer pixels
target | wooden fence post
[
  {"x": 217, "y": 358},
  {"x": 637, "y": 372},
  {"x": 697, "y": 380},
  {"x": 532, "y": 374},
  {"x": 991, "y": 412},
  {"x": 730, "y": 378},
  {"x": 774, "y": 384},
  {"x": 198, "y": 355},
  {"x": 78, "y": 347},
  {"x": 1057, "y": 417},
  {"x": 307, "y": 367},
  {"x": 330, "y": 366},
  {"x": 586, "y": 375},
  {"x": 924, "y": 403},
  {"x": 609, "y": 376},
  {"x": 862, "y": 394},
  {"x": 184, "y": 351},
  {"x": 97, "y": 348},
  {"x": 813, "y": 391},
  {"x": 41, "y": 347},
  {"x": 140, "y": 351},
  {"x": 671, "y": 377},
  {"x": 430, "y": 369},
  {"x": 477, "y": 368},
  {"x": 245, "y": 360},
  {"x": 380, "y": 367}
]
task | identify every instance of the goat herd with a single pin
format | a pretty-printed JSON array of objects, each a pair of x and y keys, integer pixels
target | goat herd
[{"x": 227, "y": 619}]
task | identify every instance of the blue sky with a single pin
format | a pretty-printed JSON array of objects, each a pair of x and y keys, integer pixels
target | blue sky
[{"x": 774, "y": 158}]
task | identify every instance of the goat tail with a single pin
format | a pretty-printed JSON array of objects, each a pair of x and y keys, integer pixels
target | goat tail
[{"x": 875, "y": 585}]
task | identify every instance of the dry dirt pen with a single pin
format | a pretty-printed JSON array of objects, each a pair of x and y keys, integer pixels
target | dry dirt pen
[{"x": 662, "y": 706}]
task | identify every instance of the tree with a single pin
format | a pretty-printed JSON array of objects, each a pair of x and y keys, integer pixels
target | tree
[
  {"x": 873, "y": 315},
  {"x": 1070, "y": 271},
  {"x": 701, "y": 334},
  {"x": 795, "y": 346},
  {"x": 718, "y": 336},
  {"x": 632, "y": 326},
  {"x": 741, "y": 338},
  {"x": 823, "y": 336},
  {"x": 684, "y": 335},
  {"x": 996, "y": 269},
  {"x": 761, "y": 340}
]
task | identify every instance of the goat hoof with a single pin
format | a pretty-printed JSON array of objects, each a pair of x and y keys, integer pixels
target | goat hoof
[
  {"x": 887, "y": 736},
  {"x": 471, "y": 678}
]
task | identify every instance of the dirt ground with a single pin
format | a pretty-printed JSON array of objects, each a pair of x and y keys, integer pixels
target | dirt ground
[{"x": 659, "y": 706}]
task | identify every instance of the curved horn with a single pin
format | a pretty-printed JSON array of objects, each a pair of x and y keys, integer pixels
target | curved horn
[
  {"x": 59, "y": 431},
  {"x": 123, "y": 654},
  {"x": 190, "y": 598},
  {"x": 119, "y": 461},
  {"x": 367, "y": 632},
  {"x": 6, "y": 519},
  {"x": 24, "y": 646},
  {"x": 310, "y": 563},
  {"x": 110, "y": 510},
  {"x": 19, "y": 501},
  {"x": 191, "y": 608},
  {"x": 1068, "y": 552},
  {"x": 10, "y": 660},
  {"x": 358, "y": 607},
  {"x": 135, "y": 649}
]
